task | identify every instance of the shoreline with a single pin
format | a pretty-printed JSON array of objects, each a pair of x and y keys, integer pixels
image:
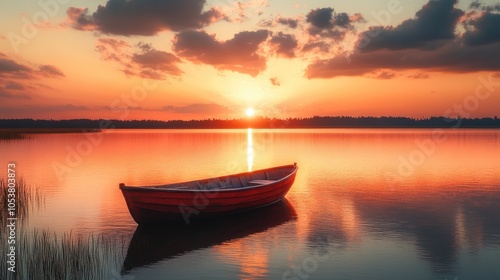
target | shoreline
[
  {"x": 23, "y": 133},
  {"x": 78, "y": 125}
]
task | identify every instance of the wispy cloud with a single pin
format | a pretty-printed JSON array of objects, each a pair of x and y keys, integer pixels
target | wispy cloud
[
  {"x": 50, "y": 71},
  {"x": 290, "y": 22},
  {"x": 8, "y": 95},
  {"x": 34, "y": 110},
  {"x": 419, "y": 76},
  {"x": 142, "y": 61},
  {"x": 385, "y": 75},
  {"x": 274, "y": 81},
  {"x": 17, "y": 79},
  {"x": 199, "y": 108}
]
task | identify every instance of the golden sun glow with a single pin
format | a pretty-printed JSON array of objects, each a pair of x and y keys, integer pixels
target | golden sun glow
[{"x": 250, "y": 112}]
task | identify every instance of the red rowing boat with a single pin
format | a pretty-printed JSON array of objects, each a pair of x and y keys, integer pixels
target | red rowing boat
[{"x": 204, "y": 198}]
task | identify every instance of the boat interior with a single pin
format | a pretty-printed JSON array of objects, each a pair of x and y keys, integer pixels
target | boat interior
[{"x": 242, "y": 180}]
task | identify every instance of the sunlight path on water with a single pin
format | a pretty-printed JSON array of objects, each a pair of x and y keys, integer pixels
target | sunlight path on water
[{"x": 249, "y": 149}]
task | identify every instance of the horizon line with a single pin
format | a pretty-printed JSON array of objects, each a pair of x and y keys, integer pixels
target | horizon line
[{"x": 258, "y": 117}]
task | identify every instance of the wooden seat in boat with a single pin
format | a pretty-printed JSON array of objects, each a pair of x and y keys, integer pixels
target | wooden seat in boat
[{"x": 260, "y": 182}]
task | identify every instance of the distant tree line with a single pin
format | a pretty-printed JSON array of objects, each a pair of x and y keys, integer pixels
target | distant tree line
[{"x": 261, "y": 122}]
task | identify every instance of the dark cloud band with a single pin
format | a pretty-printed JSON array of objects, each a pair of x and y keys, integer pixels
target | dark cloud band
[{"x": 144, "y": 17}]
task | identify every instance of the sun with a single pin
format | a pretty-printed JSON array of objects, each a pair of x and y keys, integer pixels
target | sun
[{"x": 250, "y": 112}]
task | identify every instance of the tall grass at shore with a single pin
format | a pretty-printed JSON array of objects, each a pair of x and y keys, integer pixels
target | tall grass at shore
[
  {"x": 11, "y": 135},
  {"x": 7, "y": 134},
  {"x": 43, "y": 255},
  {"x": 27, "y": 198}
]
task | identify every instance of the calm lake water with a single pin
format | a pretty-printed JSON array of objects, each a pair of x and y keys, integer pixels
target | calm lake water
[{"x": 366, "y": 203}]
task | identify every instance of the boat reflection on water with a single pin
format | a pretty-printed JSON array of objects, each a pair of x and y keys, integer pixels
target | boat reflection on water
[{"x": 153, "y": 244}]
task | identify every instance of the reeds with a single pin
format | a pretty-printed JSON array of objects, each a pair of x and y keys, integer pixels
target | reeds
[
  {"x": 11, "y": 135},
  {"x": 7, "y": 134},
  {"x": 41, "y": 254},
  {"x": 28, "y": 198},
  {"x": 44, "y": 255}
]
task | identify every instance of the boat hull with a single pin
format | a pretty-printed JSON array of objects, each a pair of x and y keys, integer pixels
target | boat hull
[
  {"x": 153, "y": 244},
  {"x": 156, "y": 205}
]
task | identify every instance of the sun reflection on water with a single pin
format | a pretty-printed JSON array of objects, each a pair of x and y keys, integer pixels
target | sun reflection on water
[{"x": 249, "y": 149}]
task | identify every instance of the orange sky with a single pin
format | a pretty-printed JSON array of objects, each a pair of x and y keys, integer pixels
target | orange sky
[{"x": 196, "y": 59}]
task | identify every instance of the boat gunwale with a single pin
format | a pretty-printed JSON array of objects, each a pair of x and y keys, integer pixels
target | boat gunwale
[{"x": 164, "y": 188}]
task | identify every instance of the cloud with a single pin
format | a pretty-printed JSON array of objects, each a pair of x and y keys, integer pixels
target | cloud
[
  {"x": 79, "y": 19},
  {"x": 274, "y": 81},
  {"x": 15, "y": 70},
  {"x": 242, "y": 6},
  {"x": 201, "y": 109},
  {"x": 8, "y": 66},
  {"x": 419, "y": 76},
  {"x": 326, "y": 23},
  {"x": 284, "y": 44},
  {"x": 288, "y": 21},
  {"x": 320, "y": 18},
  {"x": 14, "y": 85},
  {"x": 158, "y": 61},
  {"x": 319, "y": 45},
  {"x": 16, "y": 95},
  {"x": 145, "y": 61},
  {"x": 40, "y": 109},
  {"x": 454, "y": 57},
  {"x": 429, "y": 42},
  {"x": 476, "y": 5},
  {"x": 482, "y": 30},
  {"x": 113, "y": 49},
  {"x": 115, "y": 44},
  {"x": 385, "y": 75},
  {"x": 16, "y": 78},
  {"x": 66, "y": 107},
  {"x": 50, "y": 71},
  {"x": 433, "y": 25},
  {"x": 342, "y": 20},
  {"x": 144, "y": 17},
  {"x": 492, "y": 8},
  {"x": 239, "y": 54}
]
